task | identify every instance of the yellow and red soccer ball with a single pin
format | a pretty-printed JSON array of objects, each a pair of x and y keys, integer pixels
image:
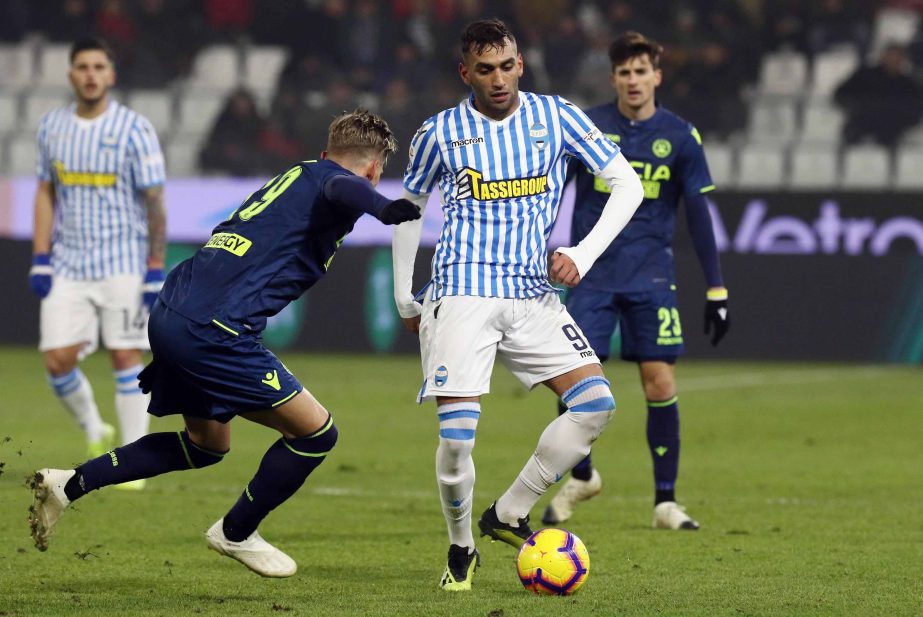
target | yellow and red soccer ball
[{"x": 553, "y": 562}]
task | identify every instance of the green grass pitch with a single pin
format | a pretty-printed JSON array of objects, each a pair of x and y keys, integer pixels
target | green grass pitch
[{"x": 807, "y": 479}]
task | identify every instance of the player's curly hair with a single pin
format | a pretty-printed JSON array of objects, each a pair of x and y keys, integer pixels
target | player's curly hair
[
  {"x": 631, "y": 45},
  {"x": 361, "y": 133},
  {"x": 485, "y": 34}
]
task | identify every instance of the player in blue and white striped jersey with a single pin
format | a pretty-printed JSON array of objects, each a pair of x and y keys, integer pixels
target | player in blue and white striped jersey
[
  {"x": 98, "y": 242},
  {"x": 499, "y": 159}
]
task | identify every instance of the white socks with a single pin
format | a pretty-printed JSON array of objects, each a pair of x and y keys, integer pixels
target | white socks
[
  {"x": 563, "y": 444},
  {"x": 131, "y": 404},
  {"x": 75, "y": 393},
  {"x": 455, "y": 467}
]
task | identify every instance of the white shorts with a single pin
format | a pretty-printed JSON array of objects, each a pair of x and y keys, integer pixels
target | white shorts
[
  {"x": 460, "y": 336},
  {"x": 74, "y": 311}
]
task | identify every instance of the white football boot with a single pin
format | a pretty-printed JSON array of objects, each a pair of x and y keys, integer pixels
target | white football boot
[
  {"x": 670, "y": 515},
  {"x": 254, "y": 552},
  {"x": 48, "y": 503},
  {"x": 573, "y": 492}
]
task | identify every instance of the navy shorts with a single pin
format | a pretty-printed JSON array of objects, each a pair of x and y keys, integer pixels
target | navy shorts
[
  {"x": 649, "y": 322},
  {"x": 208, "y": 372}
]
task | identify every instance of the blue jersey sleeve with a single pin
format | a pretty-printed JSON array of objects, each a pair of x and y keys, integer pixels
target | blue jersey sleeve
[
  {"x": 699, "y": 223},
  {"x": 425, "y": 161},
  {"x": 693, "y": 169},
  {"x": 356, "y": 193},
  {"x": 582, "y": 139}
]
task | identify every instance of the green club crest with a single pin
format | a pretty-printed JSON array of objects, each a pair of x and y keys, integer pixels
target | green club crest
[{"x": 662, "y": 148}]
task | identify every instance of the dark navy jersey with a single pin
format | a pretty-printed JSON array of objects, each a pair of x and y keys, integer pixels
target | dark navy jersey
[
  {"x": 277, "y": 244},
  {"x": 666, "y": 151}
]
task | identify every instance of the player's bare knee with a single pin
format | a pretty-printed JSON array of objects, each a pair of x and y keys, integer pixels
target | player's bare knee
[
  {"x": 60, "y": 362},
  {"x": 208, "y": 434},
  {"x": 659, "y": 388},
  {"x": 658, "y": 381},
  {"x": 125, "y": 358},
  {"x": 198, "y": 455}
]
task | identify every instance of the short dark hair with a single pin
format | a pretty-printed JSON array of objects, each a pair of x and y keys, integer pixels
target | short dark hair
[
  {"x": 90, "y": 43},
  {"x": 485, "y": 34},
  {"x": 633, "y": 44},
  {"x": 361, "y": 133}
]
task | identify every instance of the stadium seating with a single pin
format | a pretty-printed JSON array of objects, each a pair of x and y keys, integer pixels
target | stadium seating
[
  {"x": 9, "y": 112},
  {"x": 761, "y": 167},
  {"x": 182, "y": 156},
  {"x": 262, "y": 66},
  {"x": 866, "y": 167},
  {"x": 772, "y": 121},
  {"x": 720, "y": 159},
  {"x": 792, "y": 137},
  {"x": 893, "y": 25},
  {"x": 197, "y": 112},
  {"x": 783, "y": 73},
  {"x": 21, "y": 155},
  {"x": 53, "y": 66},
  {"x": 215, "y": 68},
  {"x": 813, "y": 167},
  {"x": 16, "y": 66},
  {"x": 37, "y": 105},
  {"x": 156, "y": 106},
  {"x": 909, "y": 168},
  {"x": 822, "y": 123},
  {"x": 831, "y": 68}
]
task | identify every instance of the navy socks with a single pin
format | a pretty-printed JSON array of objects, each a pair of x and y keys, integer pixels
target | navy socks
[
  {"x": 663, "y": 441},
  {"x": 284, "y": 468},
  {"x": 147, "y": 457}
]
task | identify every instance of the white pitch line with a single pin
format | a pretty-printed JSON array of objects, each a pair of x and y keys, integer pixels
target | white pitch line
[{"x": 775, "y": 378}]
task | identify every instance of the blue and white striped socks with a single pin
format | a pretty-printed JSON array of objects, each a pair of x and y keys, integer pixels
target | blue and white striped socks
[
  {"x": 455, "y": 467},
  {"x": 564, "y": 443},
  {"x": 75, "y": 393}
]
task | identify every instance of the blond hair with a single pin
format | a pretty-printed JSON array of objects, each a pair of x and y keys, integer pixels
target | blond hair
[{"x": 361, "y": 134}]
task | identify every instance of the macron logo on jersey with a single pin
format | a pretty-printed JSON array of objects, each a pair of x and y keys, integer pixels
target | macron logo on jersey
[
  {"x": 471, "y": 184},
  {"x": 466, "y": 142}
]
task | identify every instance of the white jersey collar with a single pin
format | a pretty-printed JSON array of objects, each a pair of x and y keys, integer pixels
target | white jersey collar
[
  {"x": 88, "y": 122},
  {"x": 469, "y": 102}
]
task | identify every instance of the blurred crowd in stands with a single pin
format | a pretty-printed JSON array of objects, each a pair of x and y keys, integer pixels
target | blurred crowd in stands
[{"x": 402, "y": 54}]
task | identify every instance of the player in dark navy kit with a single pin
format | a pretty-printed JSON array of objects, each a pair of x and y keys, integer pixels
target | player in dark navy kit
[
  {"x": 633, "y": 284},
  {"x": 209, "y": 362}
]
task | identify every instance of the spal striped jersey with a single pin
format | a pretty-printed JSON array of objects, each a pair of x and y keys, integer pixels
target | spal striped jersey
[
  {"x": 501, "y": 184},
  {"x": 98, "y": 167}
]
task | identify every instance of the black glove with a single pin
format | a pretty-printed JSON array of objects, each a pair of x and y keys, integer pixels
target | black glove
[
  {"x": 399, "y": 211},
  {"x": 716, "y": 316}
]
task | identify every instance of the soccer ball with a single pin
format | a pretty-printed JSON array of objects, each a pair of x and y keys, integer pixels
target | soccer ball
[{"x": 553, "y": 562}]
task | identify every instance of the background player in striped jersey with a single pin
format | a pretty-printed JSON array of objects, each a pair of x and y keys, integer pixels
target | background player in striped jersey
[
  {"x": 633, "y": 284},
  {"x": 98, "y": 243},
  {"x": 500, "y": 159},
  {"x": 206, "y": 334}
]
